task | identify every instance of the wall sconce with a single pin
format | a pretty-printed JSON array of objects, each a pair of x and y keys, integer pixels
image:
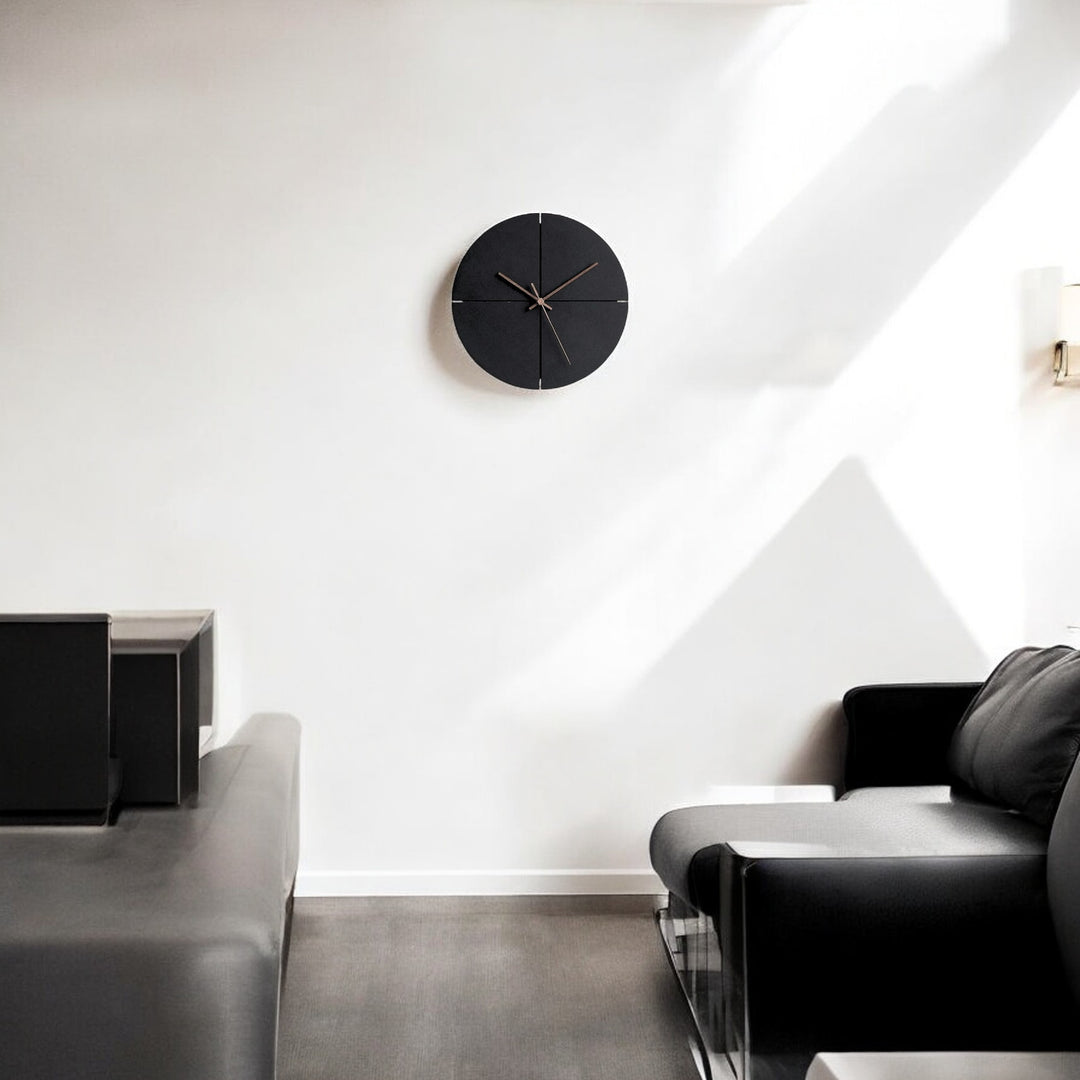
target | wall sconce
[{"x": 1067, "y": 348}]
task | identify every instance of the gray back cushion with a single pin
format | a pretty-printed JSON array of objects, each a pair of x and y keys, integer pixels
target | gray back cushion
[{"x": 1017, "y": 741}]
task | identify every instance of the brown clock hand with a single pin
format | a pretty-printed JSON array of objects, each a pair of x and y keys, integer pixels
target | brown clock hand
[
  {"x": 545, "y": 309},
  {"x": 534, "y": 295},
  {"x": 548, "y": 296}
]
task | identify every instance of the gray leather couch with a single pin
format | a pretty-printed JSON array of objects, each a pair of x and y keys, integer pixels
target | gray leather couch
[
  {"x": 910, "y": 914},
  {"x": 155, "y": 948}
]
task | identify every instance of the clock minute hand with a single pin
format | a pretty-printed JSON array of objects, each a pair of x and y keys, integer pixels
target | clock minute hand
[
  {"x": 544, "y": 308},
  {"x": 534, "y": 295},
  {"x": 548, "y": 296}
]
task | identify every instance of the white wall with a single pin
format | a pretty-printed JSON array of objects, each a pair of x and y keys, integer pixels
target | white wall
[{"x": 517, "y": 625}]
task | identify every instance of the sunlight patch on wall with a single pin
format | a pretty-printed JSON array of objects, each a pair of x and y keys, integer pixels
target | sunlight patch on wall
[
  {"x": 837, "y": 69},
  {"x": 678, "y": 549}
]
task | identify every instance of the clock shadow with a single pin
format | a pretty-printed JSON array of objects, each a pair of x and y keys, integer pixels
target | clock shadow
[{"x": 450, "y": 354}]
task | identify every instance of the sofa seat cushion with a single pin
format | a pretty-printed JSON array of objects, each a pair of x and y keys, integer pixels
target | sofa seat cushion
[
  {"x": 1017, "y": 741},
  {"x": 685, "y": 843},
  {"x": 946, "y": 1065}
]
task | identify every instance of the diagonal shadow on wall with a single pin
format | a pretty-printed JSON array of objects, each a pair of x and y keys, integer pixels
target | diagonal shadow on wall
[
  {"x": 748, "y": 694},
  {"x": 825, "y": 275}
]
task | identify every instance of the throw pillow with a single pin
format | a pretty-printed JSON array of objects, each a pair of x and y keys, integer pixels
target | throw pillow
[{"x": 1017, "y": 741}]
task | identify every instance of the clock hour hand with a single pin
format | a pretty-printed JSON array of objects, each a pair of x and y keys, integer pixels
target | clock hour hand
[
  {"x": 544, "y": 308},
  {"x": 580, "y": 273},
  {"x": 534, "y": 295}
]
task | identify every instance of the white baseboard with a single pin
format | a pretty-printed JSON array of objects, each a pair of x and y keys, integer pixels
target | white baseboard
[{"x": 478, "y": 883}]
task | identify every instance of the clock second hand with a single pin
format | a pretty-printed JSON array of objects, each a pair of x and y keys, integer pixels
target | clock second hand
[{"x": 544, "y": 308}]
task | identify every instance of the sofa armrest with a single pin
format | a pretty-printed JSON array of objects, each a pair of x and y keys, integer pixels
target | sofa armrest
[
  {"x": 898, "y": 734},
  {"x": 839, "y": 951}
]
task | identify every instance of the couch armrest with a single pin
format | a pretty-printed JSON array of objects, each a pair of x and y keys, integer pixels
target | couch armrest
[
  {"x": 898, "y": 734},
  {"x": 827, "y": 951}
]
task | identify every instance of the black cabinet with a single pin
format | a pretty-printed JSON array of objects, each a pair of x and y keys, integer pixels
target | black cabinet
[
  {"x": 55, "y": 738},
  {"x": 162, "y": 694}
]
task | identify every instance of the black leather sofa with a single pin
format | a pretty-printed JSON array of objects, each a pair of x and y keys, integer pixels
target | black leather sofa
[
  {"x": 1063, "y": 892},
  {"x": 910, "y": 914},
  {"x": 155, "y": 947}
]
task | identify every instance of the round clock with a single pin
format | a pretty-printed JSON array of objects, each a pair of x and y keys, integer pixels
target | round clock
[{"x": 539, "y": 301}]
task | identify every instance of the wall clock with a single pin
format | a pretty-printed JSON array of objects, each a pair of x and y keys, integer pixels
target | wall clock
[{"x": 539, "y": 301}]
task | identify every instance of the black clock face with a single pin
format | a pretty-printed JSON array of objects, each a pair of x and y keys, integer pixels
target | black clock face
[{"x": 539, "y": 301}]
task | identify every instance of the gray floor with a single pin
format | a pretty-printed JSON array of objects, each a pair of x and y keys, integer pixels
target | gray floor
[{"x": 480, "y": 989}]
